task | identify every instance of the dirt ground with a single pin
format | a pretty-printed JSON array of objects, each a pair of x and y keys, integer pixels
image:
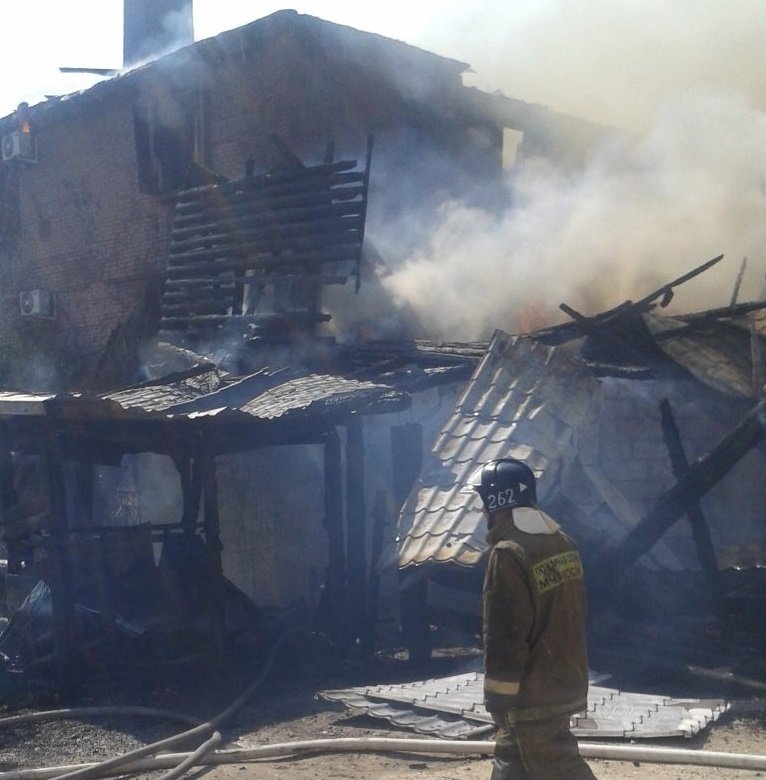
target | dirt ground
[{"x": 285, "y": 708}]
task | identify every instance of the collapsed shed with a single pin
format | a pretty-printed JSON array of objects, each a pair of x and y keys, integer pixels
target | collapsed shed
[
  {"x": 255, "y": 482},
  {"x": 610, "y": 412}
]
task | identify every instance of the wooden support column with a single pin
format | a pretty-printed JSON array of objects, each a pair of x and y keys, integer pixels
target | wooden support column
[
  {"x": 700, "y": 530},
  {"x": 60, "y": 580},
  {"x": 356, "y": 519},
  {"x": 211, "y": 525},
  {"x": 8, "y": 496},
  {"x": 190, "y": 472},
  {"x": 407, "y": 460},
  {"x": 379, "y": 518},
  {"x": 702, "y": 475},
  {"x": 333, "y": 607}
]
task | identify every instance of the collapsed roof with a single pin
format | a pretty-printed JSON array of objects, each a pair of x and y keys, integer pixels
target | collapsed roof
[{"x": 579, "y": 404}]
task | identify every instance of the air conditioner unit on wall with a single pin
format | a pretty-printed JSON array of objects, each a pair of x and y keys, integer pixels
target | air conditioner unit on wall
[
  {"x": 18, "y": 146},
  {"x": 37, "y": 303}
]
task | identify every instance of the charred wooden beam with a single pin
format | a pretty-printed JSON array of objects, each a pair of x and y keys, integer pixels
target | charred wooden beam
[
  {"x": 600, "y": 329},
  {"x": 367, "y": 167},
  {"x": 211, "y": 523},
  {"x": 224, "y": 285},
  {"x": 190, "y": 472},
  {"x": 268, "y": 180},
  {"x": 287, "y": 319},
  {"x": 240, "y": 192},
  {"x": 60, "y": 577},
  {"x": 198, "y": 308},
  {"x": 233, "y": 263},
  {"x": 702, "y": 475},
  {"x": 559, "y": 333},
  {"x": 274, "y": 240},
  {"x": 738, "y": 282},
  {"x": 379, "y": 519},
  {"x": 266, "y": 212},
  {"x": 665, "y": 293},
  {"x": 347, "y": 216},
  {"x": 334, "y": 596},
  {"x": 700, "y": 531},
  {"x": 356, "y": 523},
  {"x": 702, "y": 319},
  {"x": 191, "y": 215}
]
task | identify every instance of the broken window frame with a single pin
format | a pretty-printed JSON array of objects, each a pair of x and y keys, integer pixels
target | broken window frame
[{"x": 165, "y": 154}]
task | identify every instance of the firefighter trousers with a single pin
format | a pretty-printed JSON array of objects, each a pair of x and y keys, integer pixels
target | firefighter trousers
[{"x": 537, "y": 750}]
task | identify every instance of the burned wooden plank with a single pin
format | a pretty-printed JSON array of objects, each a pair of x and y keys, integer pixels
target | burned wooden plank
[
  {"x": 333, "y": 606},
  {"x": 248, "y": 235},
  {"x": 603, "y": 330},
  {"x": 702, "y": 475},
  {"x": 297, "y": 249},
  {"x": 338, "y": 253},
  {"x": 700, "y": 320},
  {"x": 61, "y": 583},
  {"x": 218, "y": 194},
  {"x": 738, "y": 282},
  {"x": 253, "y": 183},
  {"x": 197, "y": 308},
  {"x": 217, "y": 208},
  {"x": 666, "y": 291},
  {"x": 264, "y": 215},
  {"x": 356, "y": 523},
  {"x": 700, "y": 531},
  {"x": 211, "y": 524},
  {"x": 561, "y": 333},
  {"x": 225, "y": 284},
  {"x": 202, "y": 293},
  {"x": 261, "y": 320}
]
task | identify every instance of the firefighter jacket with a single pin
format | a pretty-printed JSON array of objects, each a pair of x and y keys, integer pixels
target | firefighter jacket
[{"x": 535, "y": 655}]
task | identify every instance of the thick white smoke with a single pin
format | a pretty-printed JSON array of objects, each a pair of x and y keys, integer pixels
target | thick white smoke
[
  {"x": 641, "y": 213},
  {"x": 610, "y": 61}
]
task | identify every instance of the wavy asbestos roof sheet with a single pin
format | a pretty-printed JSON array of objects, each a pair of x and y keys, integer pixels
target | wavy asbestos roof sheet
[
  {"x": 521, "y": 402},
  {"x": 452, "y": 708}
]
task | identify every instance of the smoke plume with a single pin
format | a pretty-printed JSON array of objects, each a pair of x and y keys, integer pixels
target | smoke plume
[
  {"x": 643, "y": 211},
  {"x": 606, "y": 60}
]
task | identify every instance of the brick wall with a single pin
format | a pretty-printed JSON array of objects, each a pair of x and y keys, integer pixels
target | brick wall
[{"x": 88, "y": 234}]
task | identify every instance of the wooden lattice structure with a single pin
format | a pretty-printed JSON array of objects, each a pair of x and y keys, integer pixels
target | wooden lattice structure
[{"x": 258, "y": 250}]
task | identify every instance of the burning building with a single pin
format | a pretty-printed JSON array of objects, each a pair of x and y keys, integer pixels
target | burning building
[
  {"x": 632, "y": 421},
  {"x": 88, "y": 195},
  {"x": 169, "y": 239}
]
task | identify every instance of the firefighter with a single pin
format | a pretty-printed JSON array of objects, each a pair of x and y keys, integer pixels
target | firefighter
[{"x": 535, "y": 655}]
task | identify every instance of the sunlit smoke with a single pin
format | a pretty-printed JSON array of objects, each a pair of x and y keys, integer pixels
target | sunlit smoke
[
  {"x": 606, "y": 60},
  {"x": 642, "y": 212}
]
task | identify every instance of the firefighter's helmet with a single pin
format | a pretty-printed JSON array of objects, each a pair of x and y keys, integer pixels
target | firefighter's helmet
[{"x": 504, "y": 484}]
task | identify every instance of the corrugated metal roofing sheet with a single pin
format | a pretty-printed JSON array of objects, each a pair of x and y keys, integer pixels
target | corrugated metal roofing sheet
[
  {"x": 310, "y": 392},
  {"x": 163, "y": 395},
  {"x": 266, "y": 395},
  {"x": 452, "y": 708}
]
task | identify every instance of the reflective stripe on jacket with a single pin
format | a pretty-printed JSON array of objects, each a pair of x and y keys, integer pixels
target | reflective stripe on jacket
[{"x": 535, "y": 656}]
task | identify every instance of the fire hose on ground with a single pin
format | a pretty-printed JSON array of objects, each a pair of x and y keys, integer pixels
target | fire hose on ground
[
  {"x": 144, "y": 759},
  {"x": 632, "y": 753}
]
